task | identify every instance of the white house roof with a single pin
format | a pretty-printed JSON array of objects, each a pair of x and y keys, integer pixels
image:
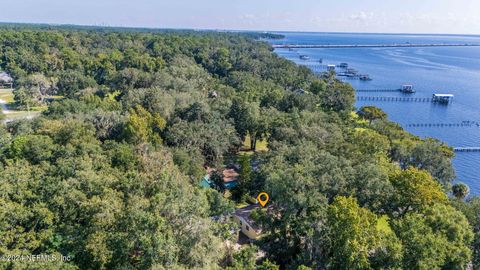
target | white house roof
[
  {"x": 442, "y": 95},
  {"x": 4, "y": 77}
]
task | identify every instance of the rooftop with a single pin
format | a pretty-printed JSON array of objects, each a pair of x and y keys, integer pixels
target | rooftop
[
  {"x": 230, "y": 178},
  {"x": 230, "y": 175},
  {"x": 442, "y": 95},
  {"x": 5, "y": 77},
  {"x": 245, "y": 213}
]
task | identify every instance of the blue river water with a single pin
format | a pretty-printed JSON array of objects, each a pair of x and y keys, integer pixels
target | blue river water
[{"x": 445, "y": 70}]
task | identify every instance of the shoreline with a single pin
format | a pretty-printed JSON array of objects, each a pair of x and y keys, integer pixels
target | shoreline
[{"x": 462, "y": 164}]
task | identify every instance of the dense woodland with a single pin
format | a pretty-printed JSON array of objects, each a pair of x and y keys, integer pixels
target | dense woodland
[{"x": 109, "y": 173}]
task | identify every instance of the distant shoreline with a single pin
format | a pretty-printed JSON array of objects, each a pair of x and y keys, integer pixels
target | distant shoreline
[{"x": 168, "y": 29}]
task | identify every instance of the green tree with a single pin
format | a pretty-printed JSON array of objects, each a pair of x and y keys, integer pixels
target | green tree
[
  {"x": 213, "y": 138},
  {"x": 415, "y": 190},
  {"x": 460, "y": 191},
  {"x": 190, "y": 161},
  {"x": 26, "y": 222},
  {"x": 245, "y": 186},
  {"x": 218, "y": 204},
  {"x": 352, "y": 233},
  {"x": 244, "y": 259},
  {"x": 222, "y": 61},
  {"x": 317, "y": 87},
  {"x": 267, "y": 265},
  {"x": 33, "y": 89},
  {"x": 370, "y": 142},
  {"x": 471, "y": 210},
  {"x": 71, "y": 82},
  {"x": 249, "y": 120},
  {"x": 438, "y": 238},
  {"x": 217, "y": 180},
  {"x": 430, "y": 155},
  {"x": 35, "y": 148},
  {"x": 372, "y": 113},
  {"x": 143, "y": 127},
  {"x": 338, "y": 97},
  {"x": 24, "y": 98}
]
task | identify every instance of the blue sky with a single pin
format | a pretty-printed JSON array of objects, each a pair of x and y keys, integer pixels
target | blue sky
[{"x": 396, "y": 16}]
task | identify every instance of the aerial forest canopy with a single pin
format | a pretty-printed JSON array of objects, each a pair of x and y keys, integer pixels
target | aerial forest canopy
[{"x": 108, "y": 174}]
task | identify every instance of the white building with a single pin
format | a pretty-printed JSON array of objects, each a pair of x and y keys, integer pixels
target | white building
[{"x": 5, "y": 79}]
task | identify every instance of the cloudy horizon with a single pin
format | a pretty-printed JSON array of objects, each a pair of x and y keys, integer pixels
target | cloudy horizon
[{"x": 369, "y": 16}]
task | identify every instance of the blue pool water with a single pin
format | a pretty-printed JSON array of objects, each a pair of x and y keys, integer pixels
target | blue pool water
[{"x": 453, "y": 70}]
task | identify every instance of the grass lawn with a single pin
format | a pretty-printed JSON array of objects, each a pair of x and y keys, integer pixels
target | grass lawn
[
  {"x": 14, "y": 115},
  {"x": 262, "y": 145},
  {"x": 13, "y": 112},
  {"x": 7, "y": 95},
  {"x": 241, "y": 205}
]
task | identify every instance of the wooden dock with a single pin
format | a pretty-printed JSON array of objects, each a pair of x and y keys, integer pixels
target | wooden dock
[
  {"x": 466, "y": 149},
  {"x": 378, "y": 90},
  {"x": 446, "y": 125},
  {"x": 350, "y": 46},
  {"x": 433, "y": 99},
  {"x": 395, "y": 99}
]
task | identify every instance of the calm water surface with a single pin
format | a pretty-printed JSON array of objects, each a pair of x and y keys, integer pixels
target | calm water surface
[{"x": 453, "y": 70}]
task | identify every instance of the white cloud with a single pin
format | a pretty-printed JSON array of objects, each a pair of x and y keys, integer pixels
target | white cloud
[{"x": 362, "y": 16}]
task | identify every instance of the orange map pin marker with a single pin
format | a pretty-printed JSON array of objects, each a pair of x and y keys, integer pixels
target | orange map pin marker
[{"x": 263, "y": 198}]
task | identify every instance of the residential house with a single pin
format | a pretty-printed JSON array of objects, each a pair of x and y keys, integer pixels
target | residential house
[
  {"x": 230, "y": 178},
  {"x": 246, "y": 223},
  {"x": 5, "y": 79}
]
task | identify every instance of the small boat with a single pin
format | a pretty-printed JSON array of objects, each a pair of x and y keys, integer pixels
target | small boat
[
  {"x": 352, "y": 71},
  {"x": 364, "y": 77},
  {"x": 304, "y": 57},
  {"x": 343, "y": 65},
  {"x": 407, "y": 89}
]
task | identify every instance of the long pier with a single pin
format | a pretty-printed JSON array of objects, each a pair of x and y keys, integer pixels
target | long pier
[
  {"x": 378, "y": 90},
  {"x": 350, "y": 46},
  {"x": 395, "y": 99},
  {"x": 466, "y": 149},
  {"x": 433, "y": 99},
  {"x": 446, "y": 125}
]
